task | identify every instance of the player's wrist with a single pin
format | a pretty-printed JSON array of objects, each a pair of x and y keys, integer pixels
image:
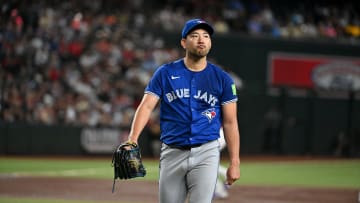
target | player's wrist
[
  {"x": 235, "y": 162},
  {"x": 132, "y": 140}
]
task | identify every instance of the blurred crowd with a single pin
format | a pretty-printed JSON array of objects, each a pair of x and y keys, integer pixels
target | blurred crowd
[
  {"x": 305, "y": 19},
  {"x": 87, "y": 62},
  {"x": 60, "y": 65}
]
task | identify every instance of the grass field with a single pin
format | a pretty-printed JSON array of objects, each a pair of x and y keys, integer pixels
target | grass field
[
  {"x": 338, "y": 173},
  {"x": 324, "y": 173}
]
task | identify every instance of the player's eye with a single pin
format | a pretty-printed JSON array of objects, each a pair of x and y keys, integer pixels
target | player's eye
[{"x": 194, "y": 35}]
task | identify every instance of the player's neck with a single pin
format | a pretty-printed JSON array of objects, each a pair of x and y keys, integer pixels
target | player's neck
[{"x": 196, "y": 65}]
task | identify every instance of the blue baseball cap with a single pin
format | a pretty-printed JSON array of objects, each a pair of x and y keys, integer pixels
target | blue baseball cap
[{"x": 192, "y": 24}]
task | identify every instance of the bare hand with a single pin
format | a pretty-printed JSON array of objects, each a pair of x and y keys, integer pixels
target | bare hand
[{"x": 232, "y": 174}]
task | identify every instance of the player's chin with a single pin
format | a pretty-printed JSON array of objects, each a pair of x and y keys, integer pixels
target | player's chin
[{"x": 202, "y": 53}]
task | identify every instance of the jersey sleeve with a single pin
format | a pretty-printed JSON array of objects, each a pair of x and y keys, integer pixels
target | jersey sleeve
[
  {"x": 155, "y": 84},
  {"x": 229, "y": 92}
]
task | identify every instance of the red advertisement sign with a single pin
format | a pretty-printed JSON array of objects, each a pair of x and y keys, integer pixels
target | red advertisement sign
[{"x": 311, "y": 71}]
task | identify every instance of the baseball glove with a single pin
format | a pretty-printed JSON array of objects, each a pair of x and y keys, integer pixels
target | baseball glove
[{"x": 127, "y": 162}]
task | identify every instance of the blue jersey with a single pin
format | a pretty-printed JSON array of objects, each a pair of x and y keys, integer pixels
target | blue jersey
[{"x": 190, "y": 108}]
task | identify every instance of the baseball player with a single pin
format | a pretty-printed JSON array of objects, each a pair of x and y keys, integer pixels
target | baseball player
[{"x": 196, "y": 98}]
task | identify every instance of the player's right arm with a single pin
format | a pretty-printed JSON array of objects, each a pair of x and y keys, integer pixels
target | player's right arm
[{"x": 142, "y": 116}]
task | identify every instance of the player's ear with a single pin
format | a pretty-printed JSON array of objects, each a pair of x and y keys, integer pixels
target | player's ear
[{"x": 182, "y": 42}]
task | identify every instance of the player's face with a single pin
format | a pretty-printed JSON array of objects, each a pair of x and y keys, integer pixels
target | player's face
[{"x": 197, "y": 43}]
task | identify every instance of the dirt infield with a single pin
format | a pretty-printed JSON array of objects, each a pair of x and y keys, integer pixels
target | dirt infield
[{"x": 146, "y": 191}]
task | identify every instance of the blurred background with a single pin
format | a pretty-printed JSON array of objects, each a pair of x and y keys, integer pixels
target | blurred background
[{"x": 73, "y": 72}]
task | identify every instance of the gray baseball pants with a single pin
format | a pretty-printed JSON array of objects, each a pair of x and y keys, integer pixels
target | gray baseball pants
[{"x": 188, "y": 174}]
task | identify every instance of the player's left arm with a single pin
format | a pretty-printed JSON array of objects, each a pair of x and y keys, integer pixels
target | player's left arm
[{"x": 232, "y": 137}]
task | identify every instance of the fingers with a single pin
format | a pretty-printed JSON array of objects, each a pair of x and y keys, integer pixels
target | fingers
[
  {"x": 233, "y": 174},
  {"x": 229, "y": 182}
]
